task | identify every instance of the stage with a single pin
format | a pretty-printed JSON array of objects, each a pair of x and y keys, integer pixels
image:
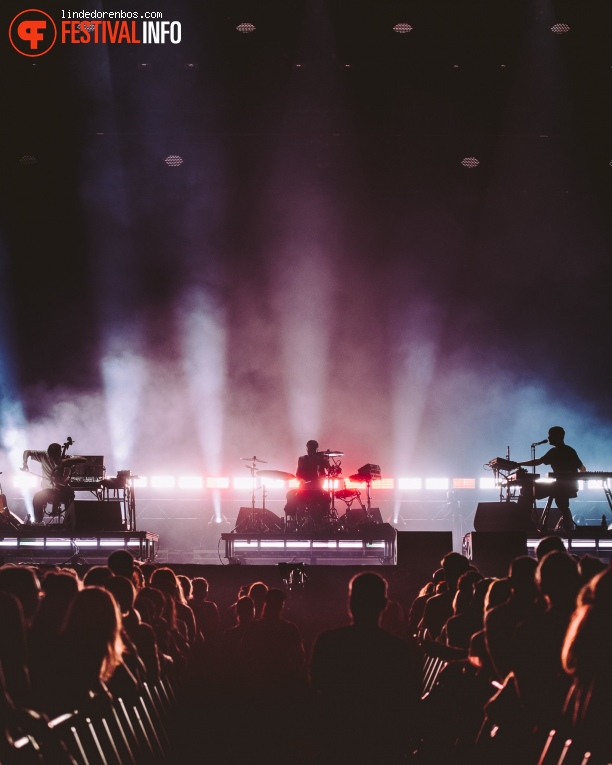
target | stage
[
  {"x": 50, "y": 544},
  {"x": 378, "y": 545},
  {"x": 374, "y": 545}
]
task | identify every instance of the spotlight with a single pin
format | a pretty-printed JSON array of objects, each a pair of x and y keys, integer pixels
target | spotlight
[
  {"x": 173, "y": 160},
  {"x": 28, "y": 160},
  {"x": 402, "y": 29},
  {"x": 560, "y": 29},
  {"x": 246, "y": 27},
  {"x": 470, "y": 162},
  {"x": 218, "y": 521},
  {"x": 144, "y": 65}
]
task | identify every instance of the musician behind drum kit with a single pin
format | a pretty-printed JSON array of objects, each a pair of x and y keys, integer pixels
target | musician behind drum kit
[
  {"x": 55, "y": 476},
  {"x": 311, "y": 471}
]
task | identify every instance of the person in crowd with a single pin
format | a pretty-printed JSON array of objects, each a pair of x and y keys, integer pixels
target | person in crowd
[
  {"x": 45, "y": 635},
  {"x": 232, "y": 655},
  {"x": 587, "y": 659},
  {"x": 122, "y": 590},
  {"x": 467, "y": 614},
  {"x": 415, "y": 615},
  {"x": 205, "y": 611},
  {"x": 230, "y": 617},
  {"x": 121, "y": 563},
  {"x": 590, "y": 567},
  {"x": 13, "y": 650},
  {"x": 257, "y": 591},
  {"x": 537, "y": 680},
  {"x": 158, "y": 609},
  {"x": 97, "y": 576},
  {"x": 23, "y": 583},
  {"x": 91, "y": 651},
  {"x": 137, "y": 576},
  {"x": 352, "y": 665},
  {"x": 165, "y": 579},
  {"x": 272, "y": 647},
  {"x": 502, "y": 621},
  {"x": 439, "y": 608},
  {"x": 393, "y": 619},
  {"x": 140, "y": 633}
]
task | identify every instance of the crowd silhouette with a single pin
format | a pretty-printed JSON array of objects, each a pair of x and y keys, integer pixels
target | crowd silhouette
[{"x": 134, "y": 663}]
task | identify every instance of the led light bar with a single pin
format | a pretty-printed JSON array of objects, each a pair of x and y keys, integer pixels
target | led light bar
[{"x": 440, "y": 484}]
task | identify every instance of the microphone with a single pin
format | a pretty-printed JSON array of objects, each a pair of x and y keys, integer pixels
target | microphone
[{"x": 539, "y": 443}]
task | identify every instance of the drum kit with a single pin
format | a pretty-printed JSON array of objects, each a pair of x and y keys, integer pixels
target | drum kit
[{"x": 312, "y": 510}]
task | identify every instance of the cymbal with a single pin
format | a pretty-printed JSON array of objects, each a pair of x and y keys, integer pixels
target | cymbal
[
  {"x": 68, "y": 461},
  {"x": 333, "y": 453},
  {"x": 280, "y": 475},
  {"x": 253, "y": 459}
]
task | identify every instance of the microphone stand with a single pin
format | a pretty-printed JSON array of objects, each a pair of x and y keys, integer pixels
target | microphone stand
[{"x": 534, "y": 501}]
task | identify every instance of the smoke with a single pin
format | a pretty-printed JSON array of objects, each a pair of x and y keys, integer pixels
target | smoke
[{"x": 202, "y": 328}]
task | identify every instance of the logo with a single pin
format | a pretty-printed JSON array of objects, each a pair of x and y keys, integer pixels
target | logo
[{"x": 32, "y": 33}]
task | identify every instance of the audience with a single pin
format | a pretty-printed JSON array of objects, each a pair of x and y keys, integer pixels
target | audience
[{"x": 516, "y": 657}]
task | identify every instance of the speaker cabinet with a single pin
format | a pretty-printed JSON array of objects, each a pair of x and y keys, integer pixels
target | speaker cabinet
[
  {"x": 264, "y": 519},
  {"x": 356, "y": 517},
  {"x": 492, "y": 552},
  {"x": 92, "y": 515},
  {"x": 503, "y": 516}
]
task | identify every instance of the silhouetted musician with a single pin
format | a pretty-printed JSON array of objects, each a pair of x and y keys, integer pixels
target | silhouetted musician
[
  {"x": 311, "y": 470},
  {"x": 55, "y": 476},
  {"x": 563, "y": 459}
]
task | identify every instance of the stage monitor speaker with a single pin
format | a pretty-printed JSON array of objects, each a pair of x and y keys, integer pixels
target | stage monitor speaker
[
  {"x": 265, "y": 519},
  {"x": 92, "y": 515},
  {"x": 502, "y": 516},
  {"x": 492, "y": 552},
  {"x": 356, "y": 517}
]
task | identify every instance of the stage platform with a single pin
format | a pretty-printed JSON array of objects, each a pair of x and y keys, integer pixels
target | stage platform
[
  {"x": 48, "y": 544},
  {"x": 493, "y": 551},
  {"x": 376, "y": 545}
]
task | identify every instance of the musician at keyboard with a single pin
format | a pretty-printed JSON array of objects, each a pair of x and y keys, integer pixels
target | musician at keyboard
[{"x": 563, "y": 459}]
